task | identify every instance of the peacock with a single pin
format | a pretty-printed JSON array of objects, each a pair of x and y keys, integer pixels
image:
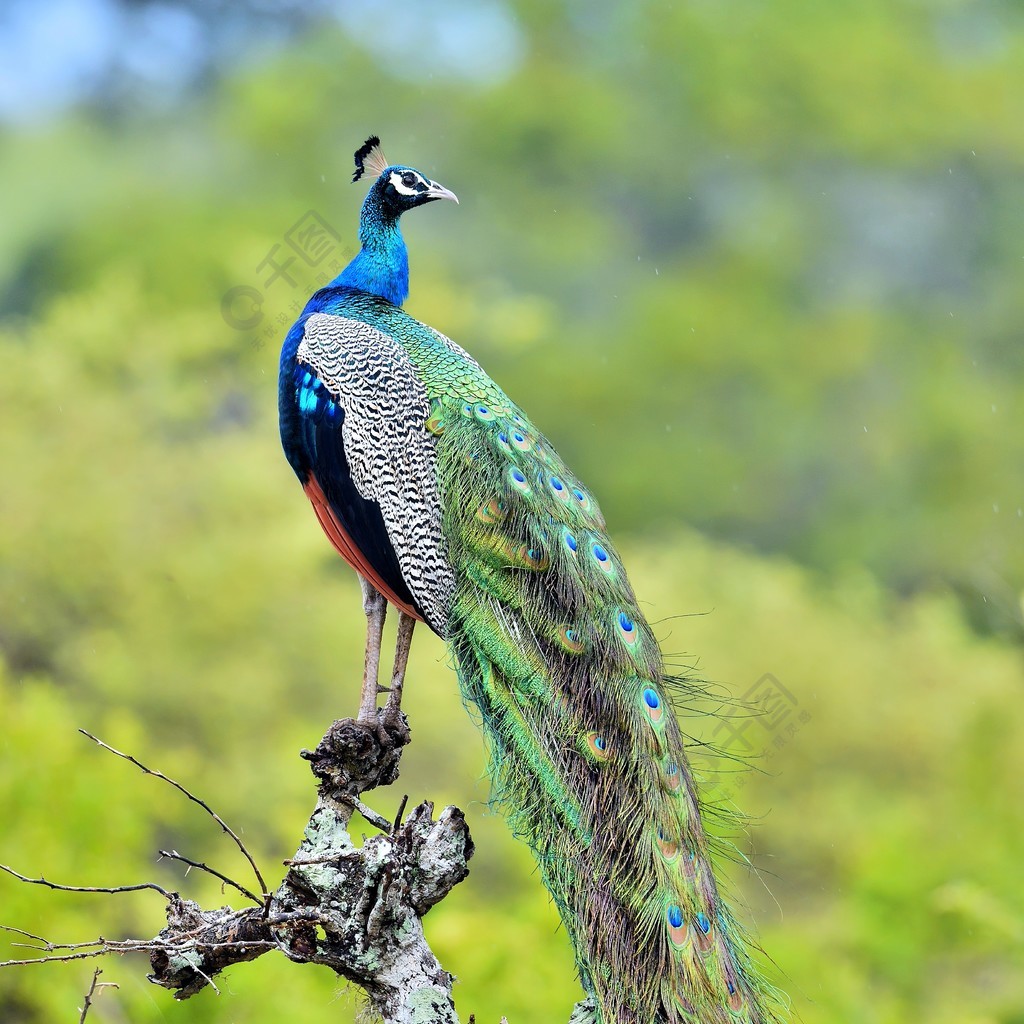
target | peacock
[{"x": 452, "y": 507}]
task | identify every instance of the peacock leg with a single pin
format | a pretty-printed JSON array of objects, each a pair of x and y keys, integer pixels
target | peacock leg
[
  {"x": 403, "y": 642},
  {"x": 376, "y": 608}
]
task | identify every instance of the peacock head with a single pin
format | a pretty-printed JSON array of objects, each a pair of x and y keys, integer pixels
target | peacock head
[{"x": 397, "y": 188}]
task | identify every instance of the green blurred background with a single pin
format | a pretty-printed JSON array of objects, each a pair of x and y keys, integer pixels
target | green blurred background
[{"x": 754, "y": 268}]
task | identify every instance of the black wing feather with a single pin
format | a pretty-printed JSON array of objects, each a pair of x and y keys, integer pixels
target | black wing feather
[{"x": 320, "y": 418}]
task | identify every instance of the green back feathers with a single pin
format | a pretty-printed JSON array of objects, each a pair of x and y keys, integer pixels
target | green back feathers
[{"x": 587, "y": 756}]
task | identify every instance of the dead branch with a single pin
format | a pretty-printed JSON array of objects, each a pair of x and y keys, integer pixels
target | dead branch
[
  {"x": 191, "y": 796},
  {"x": 85, "y": 888},
  {"x": 174, "y": 855},
  {"x": 355, "y": 909},
  {"x": 93, "y": 989}
]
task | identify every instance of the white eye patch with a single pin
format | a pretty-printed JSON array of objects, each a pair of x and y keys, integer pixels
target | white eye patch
[{"x": 407, "y": 190}]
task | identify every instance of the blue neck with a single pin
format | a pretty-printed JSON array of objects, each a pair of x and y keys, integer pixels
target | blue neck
[{"x": 382, "y": 265}]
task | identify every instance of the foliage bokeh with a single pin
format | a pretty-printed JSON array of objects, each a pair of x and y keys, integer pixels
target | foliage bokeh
[{"x": 753, "y": 268}]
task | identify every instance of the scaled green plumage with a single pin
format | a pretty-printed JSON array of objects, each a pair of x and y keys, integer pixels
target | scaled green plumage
[{"x": 586, "y": 753}]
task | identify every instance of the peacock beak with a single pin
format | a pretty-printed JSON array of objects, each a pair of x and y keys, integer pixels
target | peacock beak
[{"x": 437, "y": 191}]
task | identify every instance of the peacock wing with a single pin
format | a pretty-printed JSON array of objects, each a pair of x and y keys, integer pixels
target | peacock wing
[{"x": 373, "y": 462}]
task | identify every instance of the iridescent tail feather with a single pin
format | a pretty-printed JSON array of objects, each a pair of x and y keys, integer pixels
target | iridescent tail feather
[{"x": 587, "y": 756}]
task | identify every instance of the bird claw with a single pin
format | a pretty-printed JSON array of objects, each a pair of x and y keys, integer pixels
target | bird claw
[{"x": 356, "y": 756}]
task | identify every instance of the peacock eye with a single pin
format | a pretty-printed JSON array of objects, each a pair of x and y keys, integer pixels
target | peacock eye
[{"x": 408, "y": 179}]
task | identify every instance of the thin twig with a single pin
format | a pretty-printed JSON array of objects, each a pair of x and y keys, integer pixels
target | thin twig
[
  {"x": 84, "y": 954},
  {"x": 87, "y": 888},
  {"x": 401, "y": 811},
  {"x": 327, "y": 858},
  {"x": 209, "y": 980},
  {"x": 174, "y": 855},
  {"x": 104, "y": 947},
  {"x": 111, "y": 945},
  {"x": 63, "y": 958},
  {"x": 88, "y": 996},
  {"x": 28, "y": 935},
  {"x": 92, "y": 991},
  {"x": 191, "y": 796},
  {"x": 286, "y": 919},
  {"x": 375, "y": 819}
]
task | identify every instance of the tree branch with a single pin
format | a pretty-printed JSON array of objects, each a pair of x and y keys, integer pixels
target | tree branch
[
  {"x": 191, "y": 796},
  {"x": 354, "y": 909},
  {"x": 86, "y": 888},
  {"x": 93, "y": 989},
  {"x": 174, "y": 855}
]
